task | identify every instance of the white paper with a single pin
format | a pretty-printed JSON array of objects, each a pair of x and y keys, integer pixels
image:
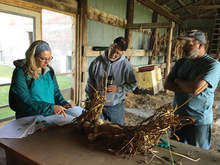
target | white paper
[
  {"x": 75, "y": 111},
  {"x": 18, "y": 128},
  {"x": 60, "y": 120},
  {"x": 27, "y": 125}
]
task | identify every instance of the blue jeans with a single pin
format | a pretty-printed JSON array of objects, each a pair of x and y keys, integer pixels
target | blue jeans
[
  {"x": 114, "y": 114},
  {"x": 196, "y": 135}
]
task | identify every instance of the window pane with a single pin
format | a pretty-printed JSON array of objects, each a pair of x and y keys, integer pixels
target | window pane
[
  {"x": 57, "y": 30},
  {"x": 16, "y": 35}
]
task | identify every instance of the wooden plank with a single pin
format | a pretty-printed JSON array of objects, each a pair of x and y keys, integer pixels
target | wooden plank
[
  {"x": 154, "y": 20},
  {"x": 77, "y": 76},
  {"x": 162, "y": 2},
  {"x": 161, "y": 10},
  {"x": 153, "y": 37},
  {"x": 202, "y": 7},
  {"x": 143, "y": 31},
  {"x": 21, "y": 4},
  {"x": 196, "y": 14},
  {"x": 198, "y": 28},
  {"x": 138, "y": 52},
  {"x": 204, "y": 17},
  {"x": 162, "y": 65},
  {"x": 88, "y": 52},
  {"x": 183, "y": 5},
  {"x": 60, "y": 74},
  {"x": 130, "y": 13},
  {"x": 84, "y": 64},
  {"x": 83, "y": 42},
  {"x": 150, "y": 25},
  {"x": 80, "y": 55},
  {"x": 61, "y": 7},
  {"x": 101, "y": 16},
  {"x": 168, "y": 56},
  {"x": 180, "y": 10},
  {"x": 83, "y": 5}
]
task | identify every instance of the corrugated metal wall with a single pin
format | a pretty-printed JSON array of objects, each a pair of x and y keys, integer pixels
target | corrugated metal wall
[{"x": 100, "y": 34}]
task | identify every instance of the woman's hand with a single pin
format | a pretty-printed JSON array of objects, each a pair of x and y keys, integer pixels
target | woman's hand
[
  {"x": 59, "y": 110},
  {"x": 68, "y": 105}
]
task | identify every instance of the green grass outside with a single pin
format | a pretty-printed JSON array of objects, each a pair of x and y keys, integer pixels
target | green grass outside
[{"x": 6, "y": 72}]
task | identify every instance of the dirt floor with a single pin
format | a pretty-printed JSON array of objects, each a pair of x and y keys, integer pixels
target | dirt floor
[{"x": 148, "y": 102}]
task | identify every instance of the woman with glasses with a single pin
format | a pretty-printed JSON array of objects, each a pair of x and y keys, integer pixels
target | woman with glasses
[{"x": 42, "y": 96}]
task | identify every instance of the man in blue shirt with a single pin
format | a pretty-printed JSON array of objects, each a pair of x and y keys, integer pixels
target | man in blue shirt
[{"x": 195, "y": 74}]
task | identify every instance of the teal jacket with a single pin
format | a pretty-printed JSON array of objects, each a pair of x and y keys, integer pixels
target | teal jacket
[{"x": 40, "y": 98}]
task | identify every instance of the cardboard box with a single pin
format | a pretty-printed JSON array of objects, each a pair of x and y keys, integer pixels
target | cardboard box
[{"x": 149, "y": 82}]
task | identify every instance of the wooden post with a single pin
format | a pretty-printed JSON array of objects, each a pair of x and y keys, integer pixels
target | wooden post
[
  {"x": 218, "y": 48},
  {"x": 130, "y": 14},
  {"x": 77, "y": 73},
  {"x": 128, "y": 32},
  {"x": 82, "y": 11},
  {"x": 153, "y": 36},
  {"x": 77, "y": 70},
  {"x": 179, "y": 29},
  {"x": 154, "y": 19},
  {"x": 169, "y": 50}
]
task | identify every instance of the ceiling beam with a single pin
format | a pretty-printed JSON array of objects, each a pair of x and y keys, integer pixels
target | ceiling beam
[
  {"x": 196, "y": 14},
  {"x": 200, "y": 28},
  {"x": 181, "y": 3},
  {"x": 205, "y": 17},
  {"x": 198, "y": 3},
  {"x": 150, "y": 25},
  {"x": 162, "y": 2},
  {"x": 204, "y": 7},
  {"x": 160, "y": 10}
]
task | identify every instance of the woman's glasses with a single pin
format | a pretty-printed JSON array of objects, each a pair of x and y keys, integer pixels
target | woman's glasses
[{"x": 45, "y": 59}]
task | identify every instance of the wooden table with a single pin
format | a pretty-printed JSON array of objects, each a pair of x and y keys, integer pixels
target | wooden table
[{"x": 60, "y": 146}]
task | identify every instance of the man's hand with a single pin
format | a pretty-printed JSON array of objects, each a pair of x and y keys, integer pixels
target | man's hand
[
  {"x": 195, "y": 87},
  {"x": 112, "y": 89}
]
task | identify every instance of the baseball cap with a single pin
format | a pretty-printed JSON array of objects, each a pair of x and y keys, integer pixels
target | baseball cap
[
  {"x": 122, "y": 41},
  {"x": 194, "y": 35}
]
